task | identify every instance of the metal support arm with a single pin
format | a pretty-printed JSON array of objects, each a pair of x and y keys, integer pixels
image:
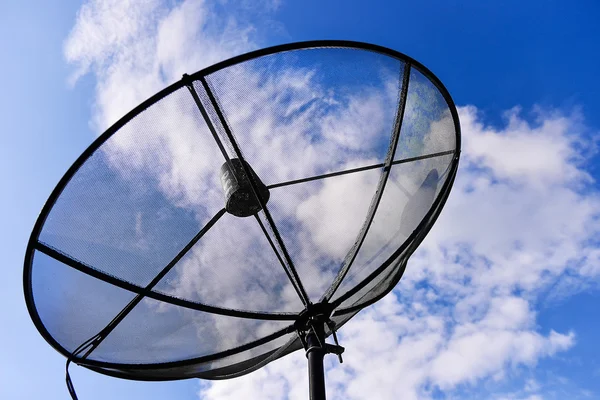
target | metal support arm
[{"x": 312, "y": 335}]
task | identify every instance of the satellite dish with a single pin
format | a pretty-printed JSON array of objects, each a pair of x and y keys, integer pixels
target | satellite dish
[{"x": 245, "y": 212}]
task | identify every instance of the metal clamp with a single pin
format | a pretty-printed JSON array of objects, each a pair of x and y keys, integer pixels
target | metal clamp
[{"x": 312, "y": 323}]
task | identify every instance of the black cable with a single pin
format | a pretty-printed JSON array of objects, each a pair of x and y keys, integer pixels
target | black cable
[{"x": 83, "y": 346}]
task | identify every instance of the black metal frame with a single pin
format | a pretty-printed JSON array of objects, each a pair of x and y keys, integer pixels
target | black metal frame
[
  {"x": 315, "y": 351},
  {"x": 359, "y": 169},
  {"x": 349, "y": 260},
  {"x": 399, "y": 257},
  {"x": 290, "y": 270}
]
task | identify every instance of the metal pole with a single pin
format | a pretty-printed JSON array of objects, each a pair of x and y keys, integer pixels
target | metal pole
[{"x": 315, "y": 352}]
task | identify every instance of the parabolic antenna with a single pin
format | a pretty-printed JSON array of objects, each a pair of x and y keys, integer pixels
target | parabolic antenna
[{"x": 245, "y": 212}]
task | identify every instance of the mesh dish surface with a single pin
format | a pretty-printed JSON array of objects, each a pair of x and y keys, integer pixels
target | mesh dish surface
[{"x": 135, "y": 252}]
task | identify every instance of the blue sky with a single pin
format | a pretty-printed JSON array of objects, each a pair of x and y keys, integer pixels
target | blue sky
[{"x": 518, "y": 237}]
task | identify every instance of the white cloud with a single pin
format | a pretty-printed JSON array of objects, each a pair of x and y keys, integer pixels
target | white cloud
[
  {"x": 519, "y": 217},
  {"x": 539, "y": 155},
  {"x": 105, "y": 28},
  {"x": 465, "y": 310},
  {"x": 136, "y": 48}
]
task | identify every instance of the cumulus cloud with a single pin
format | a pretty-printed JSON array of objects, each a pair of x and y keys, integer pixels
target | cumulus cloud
[
  {"x": 465, "y": 310},
  {"x": 137, "y": 48},
  {"x": 521, "y": 215}
]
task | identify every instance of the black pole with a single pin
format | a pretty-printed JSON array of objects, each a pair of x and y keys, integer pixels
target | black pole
[{"x": 315, "y": 352}]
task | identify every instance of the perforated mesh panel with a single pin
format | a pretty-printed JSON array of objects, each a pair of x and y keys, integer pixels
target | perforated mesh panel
[
  {"x": 315, "y": 223},
  {"x": 379, "y": 285},
  {"x": 223, "y": 367},
  {"x": 73, "y": 306},
  {"x": 233, "y": 257},
  {"x": 155, "y": 332},
  {"x": 428, "y": 124},
  {"x": 138, "y": 199},
  {"x": 308, "y": 112},
  {"x": 411, "y": 187},
  {"x": 142, "y": 245}
]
